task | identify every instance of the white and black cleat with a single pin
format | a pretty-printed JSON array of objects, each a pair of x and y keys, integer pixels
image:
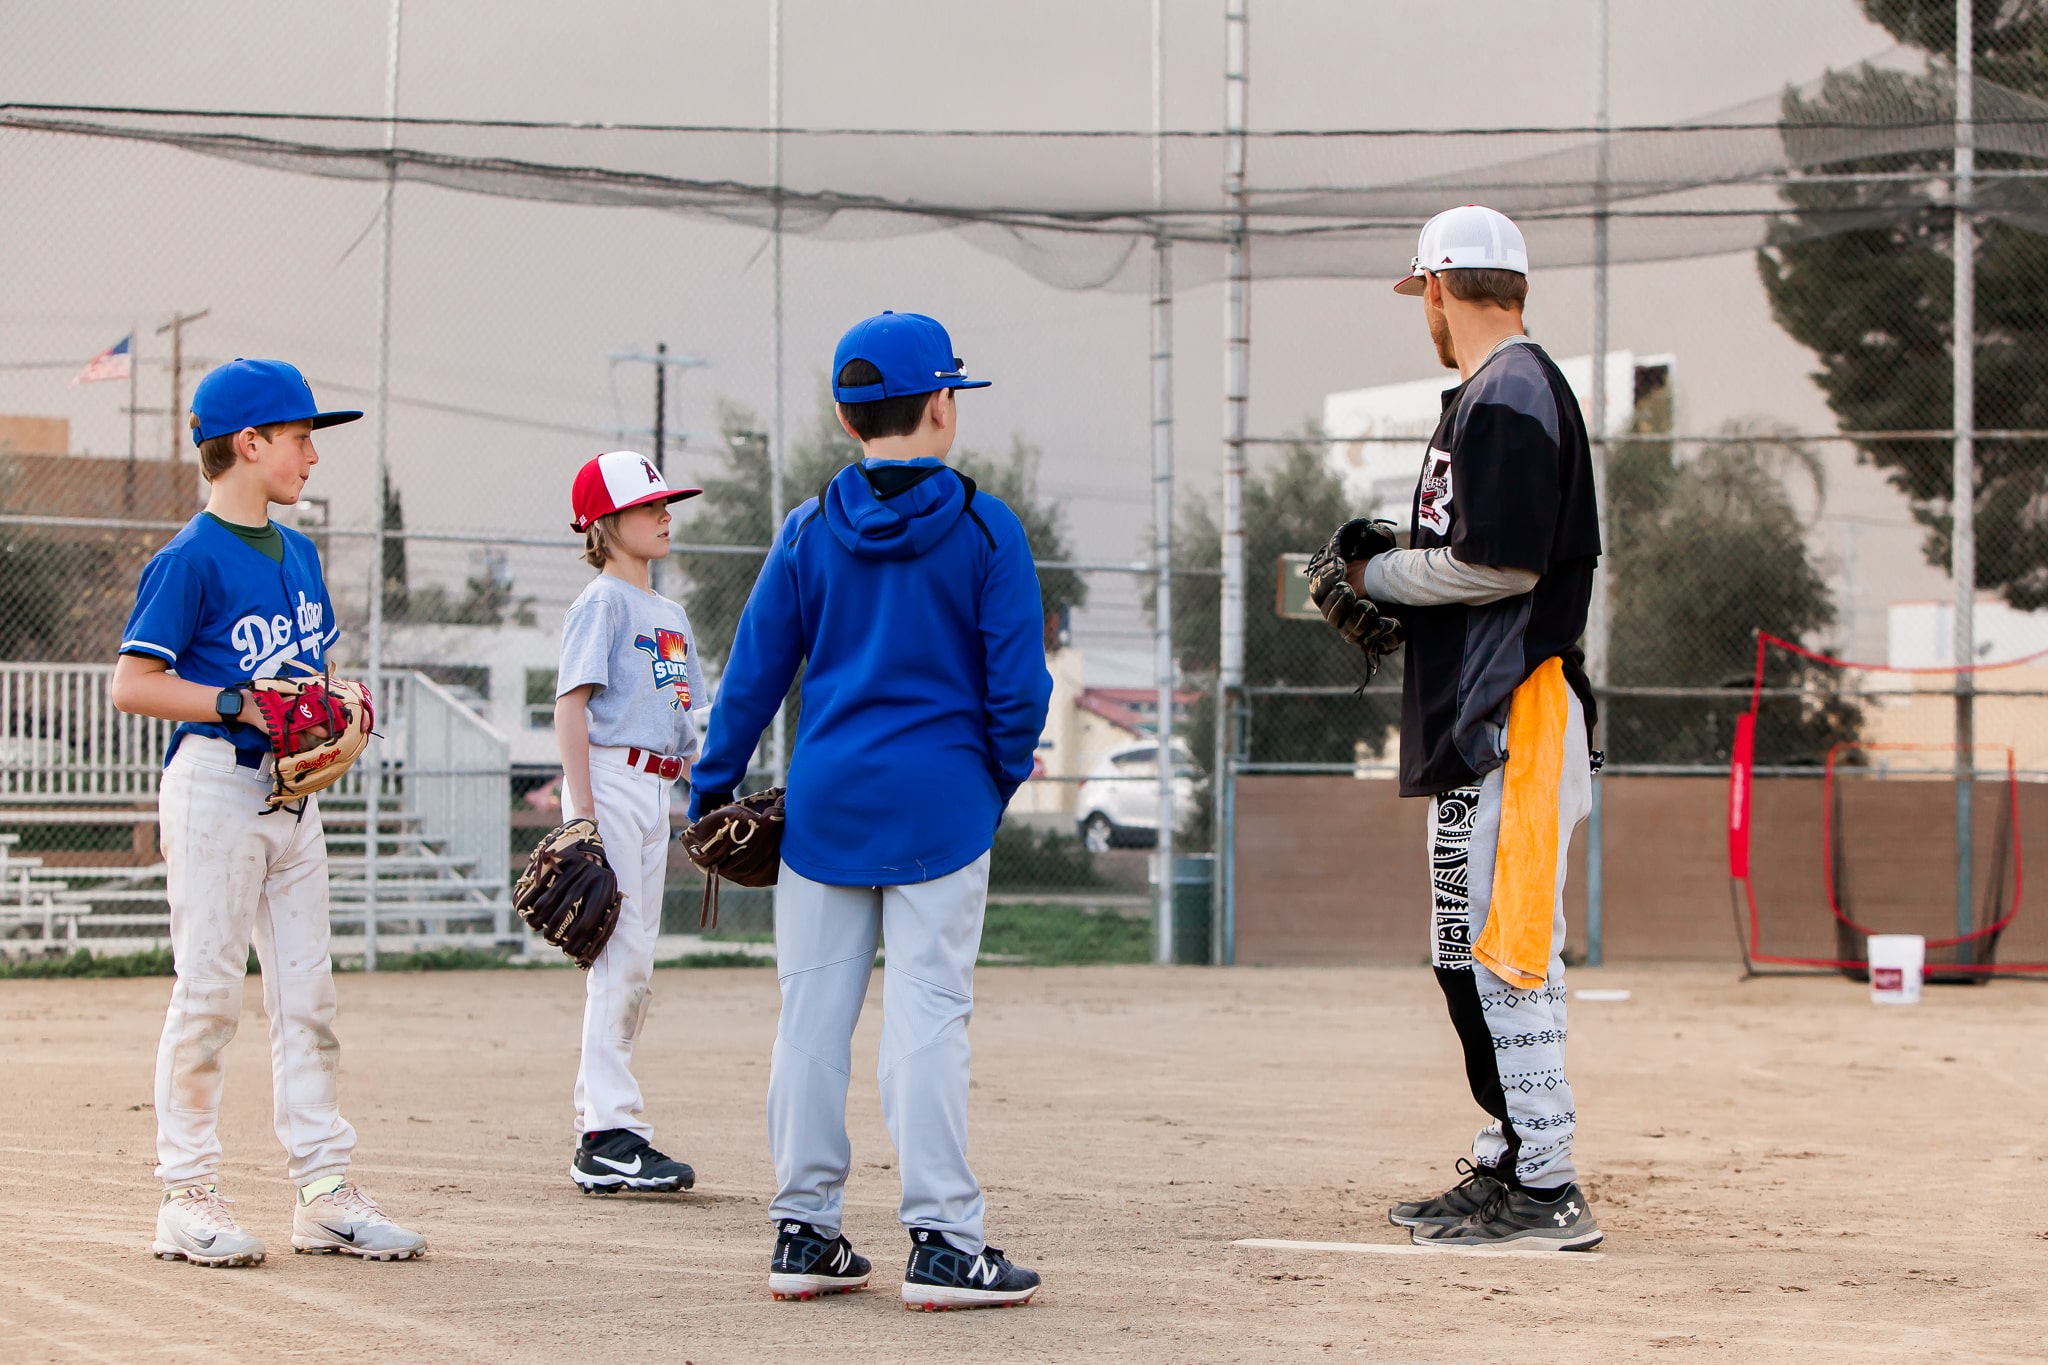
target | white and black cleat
[
  {"x": 193, "y": 1224},
  {"x": 1514, "y": 1220},
  {"x": 620, "y": 1159},
  {"x": 941, "y": 1276},
  {"x": 343, "y": 1221},
  {"x": 808, "y": 1263},
  {"x": 1454, "y": 1205}
]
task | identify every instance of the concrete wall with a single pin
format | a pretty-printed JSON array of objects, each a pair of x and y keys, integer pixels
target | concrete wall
[{"x": 1332, "y": 869}]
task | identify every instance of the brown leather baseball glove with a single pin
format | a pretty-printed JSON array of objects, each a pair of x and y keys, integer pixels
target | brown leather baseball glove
[
  {"x": 740, "y": 841},
  {"x": 568, "y": 893}
]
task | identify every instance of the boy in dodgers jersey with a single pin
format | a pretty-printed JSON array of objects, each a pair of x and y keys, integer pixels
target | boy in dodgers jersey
[
  {"x": 230, "y": 599},
  {"x": 623, "y": 693}
]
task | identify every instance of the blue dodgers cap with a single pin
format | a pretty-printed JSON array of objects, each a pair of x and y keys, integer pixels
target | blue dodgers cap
[
  {"x": 255, "y": 393},
  {"x": 911, "y": 350}
]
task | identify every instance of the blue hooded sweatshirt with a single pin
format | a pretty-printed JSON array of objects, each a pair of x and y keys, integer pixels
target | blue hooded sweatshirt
[{"x": 912, "y": 602}]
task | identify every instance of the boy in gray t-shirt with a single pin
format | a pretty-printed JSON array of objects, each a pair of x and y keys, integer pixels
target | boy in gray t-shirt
[{"x": 623, "y": 693}]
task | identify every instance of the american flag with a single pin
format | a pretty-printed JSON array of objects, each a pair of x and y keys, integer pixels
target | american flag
[{"x": 111, "y": 363}]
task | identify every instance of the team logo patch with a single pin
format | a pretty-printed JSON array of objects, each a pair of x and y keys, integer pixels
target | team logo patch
[
  {"x": 1433, "y": 506},
  {"x": 670, "y": 652}
]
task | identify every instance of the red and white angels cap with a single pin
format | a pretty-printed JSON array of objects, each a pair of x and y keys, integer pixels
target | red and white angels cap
[
  {"x": 617, "y": 480},
  {"x": 1469, "y": 237}
]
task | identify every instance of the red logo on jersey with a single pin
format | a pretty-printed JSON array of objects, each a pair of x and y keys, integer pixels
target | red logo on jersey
[{"x": 1433, "y": 501}]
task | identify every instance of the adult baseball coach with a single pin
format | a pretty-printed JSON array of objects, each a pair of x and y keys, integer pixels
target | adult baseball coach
[{"x": 1496, "y": 711}]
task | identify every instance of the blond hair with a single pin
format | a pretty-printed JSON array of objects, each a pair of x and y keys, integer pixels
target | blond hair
[{"x": 601, "y": 540}]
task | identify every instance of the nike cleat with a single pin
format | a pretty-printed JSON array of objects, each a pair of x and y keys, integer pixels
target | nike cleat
[
  {"x": 1511, "y": 1218},
  {"x": 941, "y": 1276},
  {"x": 343, "y": 1220},
  {"x": 193, "y": 1224},
  {"x": 807, "y": 1263},
  {"x": 620, "y": 1159}
]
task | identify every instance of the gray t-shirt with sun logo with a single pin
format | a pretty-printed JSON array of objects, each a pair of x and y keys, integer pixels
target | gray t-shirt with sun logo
[{"x": 638, "y": 649}]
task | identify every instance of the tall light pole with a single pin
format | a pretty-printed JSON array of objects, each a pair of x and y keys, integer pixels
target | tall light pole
[
  {"x": 1237, "y": 348},
  {"x": 779, "y": 741},
  {"x": 176, "y": 327},
  {"x": 373, "y": 783},
  {"x": 1162, "y": 496}
]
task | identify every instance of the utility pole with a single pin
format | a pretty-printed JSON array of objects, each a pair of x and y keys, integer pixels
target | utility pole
[
  {"x": 176, "y": 327},
  {"x": 662, "y": 361},
  {"x": 134, "y": 364}
]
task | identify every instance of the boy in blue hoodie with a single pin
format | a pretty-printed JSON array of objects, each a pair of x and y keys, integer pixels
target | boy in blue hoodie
[{"x": 912, "y": 603}]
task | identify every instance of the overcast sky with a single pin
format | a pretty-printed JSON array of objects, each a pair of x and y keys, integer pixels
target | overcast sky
[{"x": 511, "y": 307}]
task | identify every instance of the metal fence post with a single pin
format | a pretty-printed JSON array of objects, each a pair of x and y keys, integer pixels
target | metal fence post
[
  {"x": 1599, "y": 633},
  {"x": 1236, "y": 396},
  {"x": 1963, "y": 497},
  {"x": 1162, "y": 507}
]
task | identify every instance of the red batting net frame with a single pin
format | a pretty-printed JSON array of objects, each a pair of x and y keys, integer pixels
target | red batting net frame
[{"x": 1741, "y": 782}]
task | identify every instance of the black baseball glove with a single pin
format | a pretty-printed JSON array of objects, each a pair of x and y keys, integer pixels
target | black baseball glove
[
  {"x": 1350, "y": 615},
  {"x": 568, "y": 894}
]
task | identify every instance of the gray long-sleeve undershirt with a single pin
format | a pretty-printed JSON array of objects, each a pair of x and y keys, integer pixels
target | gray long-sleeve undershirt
[{"x": 1434, "y": 578}]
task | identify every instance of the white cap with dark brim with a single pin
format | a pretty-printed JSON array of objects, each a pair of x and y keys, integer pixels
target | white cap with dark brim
[{"x": 1469, "y": 237}]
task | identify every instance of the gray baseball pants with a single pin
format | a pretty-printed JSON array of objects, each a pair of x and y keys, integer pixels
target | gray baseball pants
[{"x": 825, "y": 940}]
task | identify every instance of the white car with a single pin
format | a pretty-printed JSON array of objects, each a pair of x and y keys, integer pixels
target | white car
[{"x": 1118, "y": 806}]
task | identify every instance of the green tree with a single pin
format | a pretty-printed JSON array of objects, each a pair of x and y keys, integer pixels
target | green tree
[
  {"x": 1875, "y": 303},
  {"x": 734, "y": 511},
  {"x": 35, "y": 590},
  {"x": 1291, "y": 508},
  {"x": 1704, "y": 551}
]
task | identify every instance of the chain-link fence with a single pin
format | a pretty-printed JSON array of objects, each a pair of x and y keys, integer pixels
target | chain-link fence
[{"x": 1770, "y": 293}]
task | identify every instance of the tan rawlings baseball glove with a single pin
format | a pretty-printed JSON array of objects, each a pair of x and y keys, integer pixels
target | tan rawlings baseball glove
[{"x": 319, "y": 725}]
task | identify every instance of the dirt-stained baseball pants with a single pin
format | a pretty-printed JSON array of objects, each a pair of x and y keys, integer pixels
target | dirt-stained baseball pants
[
  {"x": 632, "y": 816},
  {"x": 1514, "y": 1040},
  {"x": 237, "y": 875},
  {"x": 825, "y": 938}
]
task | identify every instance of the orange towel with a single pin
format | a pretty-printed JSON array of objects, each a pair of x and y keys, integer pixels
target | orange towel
[{"x": 1515, "y": 944}]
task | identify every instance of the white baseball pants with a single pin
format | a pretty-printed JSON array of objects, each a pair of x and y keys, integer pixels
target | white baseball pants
[
  {"x": 825, "y": 938},
  {"x": 632, "y": 816},
  {"x": 237, "y": 875}
]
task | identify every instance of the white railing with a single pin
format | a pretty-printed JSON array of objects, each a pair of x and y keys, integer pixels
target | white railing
[
  {"x": 62, "y": 741},
  {"x": 456, "y": 777},
  {"x": 64, "y": 748}
]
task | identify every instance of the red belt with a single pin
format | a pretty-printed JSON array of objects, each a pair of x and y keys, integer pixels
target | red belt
[{"x": 661, "y": 765}]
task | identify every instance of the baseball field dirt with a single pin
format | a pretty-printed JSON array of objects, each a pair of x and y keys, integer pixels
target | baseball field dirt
[{"x": 1783, "y": 1169}]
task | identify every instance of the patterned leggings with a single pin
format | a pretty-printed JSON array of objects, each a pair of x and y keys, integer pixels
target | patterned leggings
[{"x": 1513, "y": 1039}]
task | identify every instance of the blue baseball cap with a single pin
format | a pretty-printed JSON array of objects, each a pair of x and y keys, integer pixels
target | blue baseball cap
[
  {"x": 256, "y": 393},
  {"x": 911, "y": 350}
]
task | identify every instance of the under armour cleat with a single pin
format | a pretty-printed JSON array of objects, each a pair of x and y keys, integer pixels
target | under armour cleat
[
  {"x": 1454, "y": 1205},
  {"x": 1513, "y": 1219}
]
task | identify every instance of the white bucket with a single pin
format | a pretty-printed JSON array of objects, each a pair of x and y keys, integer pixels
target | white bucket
[{"x": 1896, "y": 965}]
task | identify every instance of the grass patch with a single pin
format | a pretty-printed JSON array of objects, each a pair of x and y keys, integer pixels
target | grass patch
[
  {"x": 1062, "y": 936},
  {"x": 155, "y": 962},
  {"x": 1041, "y": 860},
  {"x": 718, "y": 960}
]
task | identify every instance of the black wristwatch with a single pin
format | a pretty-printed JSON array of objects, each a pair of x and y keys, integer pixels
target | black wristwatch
[{"x": 228, "y": 704}]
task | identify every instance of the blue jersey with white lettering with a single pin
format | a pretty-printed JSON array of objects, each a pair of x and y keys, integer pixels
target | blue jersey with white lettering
[{"x": 220, "y": 612}]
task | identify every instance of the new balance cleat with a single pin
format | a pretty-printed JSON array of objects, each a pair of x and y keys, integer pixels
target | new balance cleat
[
  {"x": 807, "y": 1263},
  {"x": 1510, "y": 1218},
  {"x": 941, "y": 1276},
  {"x": 620, "y": 1159},
  {"x": 1454, "y": 1205},
  {"x": 343, "y": 1220},
  {"x": 193, "y": 1224}
]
